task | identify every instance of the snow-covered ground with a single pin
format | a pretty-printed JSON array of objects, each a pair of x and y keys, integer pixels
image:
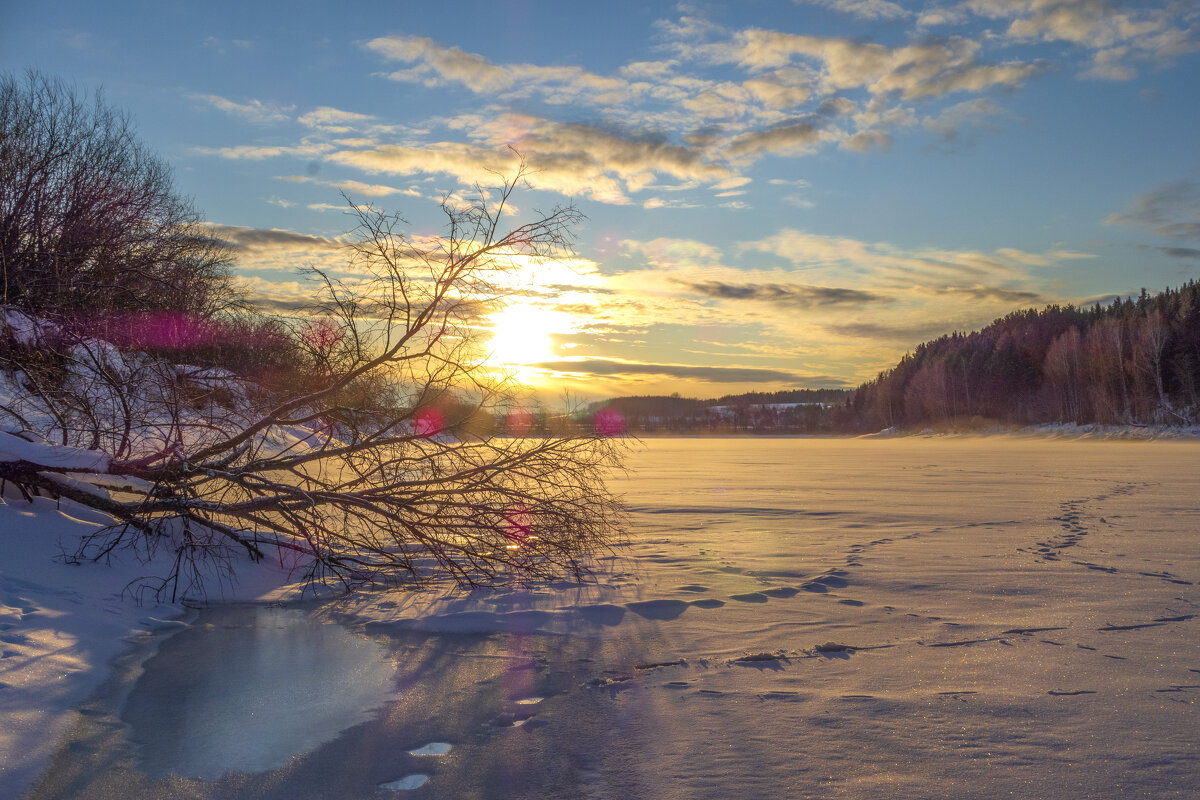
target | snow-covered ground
[{"x": 902, "y": 618}]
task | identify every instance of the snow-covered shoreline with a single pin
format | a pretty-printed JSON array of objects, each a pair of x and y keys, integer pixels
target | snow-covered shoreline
[{"x": 1052, "y": 430}]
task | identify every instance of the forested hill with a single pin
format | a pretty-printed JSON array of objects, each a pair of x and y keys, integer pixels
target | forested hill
[
  {"x": 1136, "y": 361},
  {"x": 789, "y": 411}
]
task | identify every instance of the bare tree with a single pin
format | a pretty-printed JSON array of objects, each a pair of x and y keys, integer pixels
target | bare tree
[
  {"x": 89, "y": 218},
  {"x": 1063, "y": 373},
  {"x": 393, "y": 462}
]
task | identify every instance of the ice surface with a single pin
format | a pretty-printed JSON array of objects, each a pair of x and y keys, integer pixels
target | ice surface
[
  {"x": 883, "y": 618},
  {"x": 250, "y": 689},
  {"x": 14, "y": 448}
]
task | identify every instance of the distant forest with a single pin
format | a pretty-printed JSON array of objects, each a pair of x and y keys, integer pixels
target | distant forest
[
  {"x": 786, "y": 412},
  {"x": 1135, "y": 361}
]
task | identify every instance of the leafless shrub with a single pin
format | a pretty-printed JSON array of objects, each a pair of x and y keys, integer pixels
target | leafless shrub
[{"x": 89, "y": 218}]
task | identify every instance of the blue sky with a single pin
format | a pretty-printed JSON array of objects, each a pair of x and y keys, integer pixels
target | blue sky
[{"x": 778, "y": 194}]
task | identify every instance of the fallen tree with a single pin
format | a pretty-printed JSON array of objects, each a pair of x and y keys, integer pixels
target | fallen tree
[{"x": 386, "y": 464}]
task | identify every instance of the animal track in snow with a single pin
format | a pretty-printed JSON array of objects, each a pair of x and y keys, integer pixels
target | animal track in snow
[{"x": 407, "y": 782}]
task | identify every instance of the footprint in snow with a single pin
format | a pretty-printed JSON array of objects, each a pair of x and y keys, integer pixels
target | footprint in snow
[
  {"x": 514, "y": 719},
  {"x": 663, "y": 610},
  {"x": 432, "y": 749},
  {"x": 406, "y": 783}
]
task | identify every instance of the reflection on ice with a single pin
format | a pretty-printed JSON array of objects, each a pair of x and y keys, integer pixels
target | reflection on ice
[{"x": 246, "y": 689}]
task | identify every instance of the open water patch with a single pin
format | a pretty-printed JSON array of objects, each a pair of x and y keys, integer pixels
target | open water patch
[{"x": 245, "y": 689}]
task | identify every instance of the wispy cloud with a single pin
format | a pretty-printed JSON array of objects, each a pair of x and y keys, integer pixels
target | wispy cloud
[
  {"x": 1179, "y": 252},
  {"x": 606, "y": 367},
  {"x": 786, "y": 295},
  {"x": 901, "y": 267},
  {"x": 1118, "y": 35},
  {"x": 863, "y": 9},
  {"x": 668, "y": 253},
  {"x": 916, "y": 71},
  {"x": 254, "y": 111},
  {"x": 434, "y": 64},
  {"x": 222, "y": 46},
  {"x": 991, "y": 294},
  {"x": 790, "y": 100},
  {"x": 353, "y": 187},
  {"x": 334, "y": 120},
  {"x": 899, "y": 333},
  {"x": 794, "y": 138},
  {"x": 959, "y": 125},
  {"x": 1171, "y": 210},
  {"x": 717, "y": 102},
  {"x": 571, "y": 159},
  {"x": 273, "y": 240},
  {"x": 253, "y": 152}
]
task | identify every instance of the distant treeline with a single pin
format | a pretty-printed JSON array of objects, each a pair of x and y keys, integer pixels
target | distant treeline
[
  {"x": 791, "y": 411},
  {"x": 1133, "y": 362}
]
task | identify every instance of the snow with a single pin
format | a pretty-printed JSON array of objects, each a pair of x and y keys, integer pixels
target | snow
[
  {"x": 415, "y": 781},
  {"x": 243, "y": 693},
  {"x": 23, "y": 328},
  {"x": 910, "y": 617},
  {"x": 14, "y": 448}
]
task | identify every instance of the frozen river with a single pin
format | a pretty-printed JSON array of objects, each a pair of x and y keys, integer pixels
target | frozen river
[{"x": 897, "y": 618}]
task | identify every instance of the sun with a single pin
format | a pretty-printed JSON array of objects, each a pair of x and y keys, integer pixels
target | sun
[{"x": 523, "y": 334}]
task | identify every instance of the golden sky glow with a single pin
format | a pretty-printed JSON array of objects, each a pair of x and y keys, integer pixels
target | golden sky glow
[{"x": 777, "y": 195}]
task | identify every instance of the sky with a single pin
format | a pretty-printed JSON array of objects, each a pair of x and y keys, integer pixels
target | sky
[{"x": 779, "y": 194}]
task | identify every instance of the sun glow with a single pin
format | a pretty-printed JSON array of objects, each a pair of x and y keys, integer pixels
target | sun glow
[{"x": 523, "y": 334}]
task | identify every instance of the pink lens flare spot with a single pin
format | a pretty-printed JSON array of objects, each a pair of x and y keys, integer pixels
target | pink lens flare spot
[
  {"x": 519, "y": 421},
  {"x": 429, "y": 422},
  {"x": 165, "y": 329},
  {"x": 608, "y": 243},
  {"x": 608, "y": 422},
  {"x": 518, "y": 525}
]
